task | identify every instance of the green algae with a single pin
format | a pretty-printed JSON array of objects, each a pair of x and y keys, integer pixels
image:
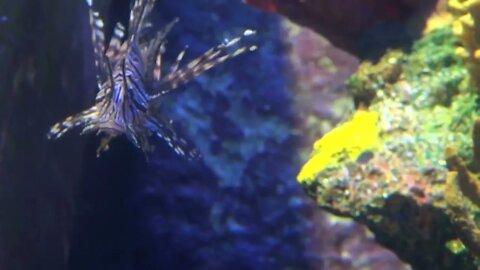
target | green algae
[{"x": 426, "y": 101}]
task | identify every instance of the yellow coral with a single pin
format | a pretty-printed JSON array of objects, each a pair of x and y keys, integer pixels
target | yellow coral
[
  {"x": 438, "y": 20},
  {"x": 345, "y": 142},
  {"x": 466, "y": 27}
]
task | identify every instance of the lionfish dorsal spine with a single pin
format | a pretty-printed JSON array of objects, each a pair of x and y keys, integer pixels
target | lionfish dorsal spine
[
  {"x": 116, "y": 42},
  {"x": 140, "y": 9},
  {"x": 98, "y": 41},
  {"x": 153, "y": 50}
]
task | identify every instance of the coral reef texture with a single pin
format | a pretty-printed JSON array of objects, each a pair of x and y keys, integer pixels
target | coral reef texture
[
  {"x": 466, "y": 27},
  {"x": 406, "y": 162}
]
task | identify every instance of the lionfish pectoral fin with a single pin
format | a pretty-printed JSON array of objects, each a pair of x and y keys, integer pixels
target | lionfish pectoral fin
[
  {"x": 60, "y": 128},
  {"x": 180, "y": 146},
  {"x": 146, "y": 146},
  {"x": 164, "y": 131},
  {"x": 134, "y": 137},
  {"x": 199, "y": 65},
  {"x": 179, "y": 59}
]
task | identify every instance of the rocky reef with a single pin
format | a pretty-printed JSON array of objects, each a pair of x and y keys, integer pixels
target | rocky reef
[
  {"x": 405, "y": 163},
  {"x": 370, "y": 27}
]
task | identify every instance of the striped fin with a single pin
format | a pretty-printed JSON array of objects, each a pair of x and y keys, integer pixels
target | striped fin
[
  {"x": 98, "y": 41},
  {"x": 148, "y": 8},
  {"x": 140, "y": 9},
  {"x": 57, "y": 130},
  {"x": 208, "y": 60},
  {"x": 115, "y": 45},
  {"x": 214, "y": 52},
  {"x": 177, "y": 62},
  {"x": 157, "y": 70},
  {"x": 149, "y": 49},
  {"x": 153, "y": 51},
  {"x": 180, "y": 146},
  {"x": 105, "y": 92},
  {"x": 166, "y": 132}
]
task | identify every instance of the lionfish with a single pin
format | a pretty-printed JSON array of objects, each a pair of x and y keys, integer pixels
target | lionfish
[{"x": 130, "y": 81}]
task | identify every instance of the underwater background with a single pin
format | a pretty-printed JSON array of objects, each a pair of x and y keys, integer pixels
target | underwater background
[{"x": 392, "y": 83}]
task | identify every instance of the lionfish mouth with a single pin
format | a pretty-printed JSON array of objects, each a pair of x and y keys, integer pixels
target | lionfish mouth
[{"x": 130, "y": 79}]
